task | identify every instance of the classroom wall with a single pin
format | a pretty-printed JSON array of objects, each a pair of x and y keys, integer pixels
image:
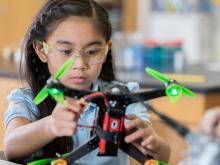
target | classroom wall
[{"x": 15, "y": 16}]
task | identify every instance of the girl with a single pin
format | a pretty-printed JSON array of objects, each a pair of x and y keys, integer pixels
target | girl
[{"x": 63, "y": 29}]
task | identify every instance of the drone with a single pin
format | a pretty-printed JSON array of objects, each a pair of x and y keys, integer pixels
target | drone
[{"x": 108, "y": 133}]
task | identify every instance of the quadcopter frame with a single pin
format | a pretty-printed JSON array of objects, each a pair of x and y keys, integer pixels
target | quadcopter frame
[{"x": 109, "y": 126}]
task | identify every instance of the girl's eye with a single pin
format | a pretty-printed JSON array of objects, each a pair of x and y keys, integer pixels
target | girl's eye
[
  {"x": 66, "y": 52},
  {"x": 93, "y": 52}
]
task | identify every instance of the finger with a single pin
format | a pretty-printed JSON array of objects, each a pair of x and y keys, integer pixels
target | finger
[
  {"x": 65, "y": 114},
  {"x": 67, "y": 125},
  {"x": 131, "y": 116},
  {"x": 74, "y": 105},
  {"x": 135, "y": 123},
  {"x": 135, "y": 135},
  {"x": 148, "y": 143},
  {"x": 67, "y": 132}
]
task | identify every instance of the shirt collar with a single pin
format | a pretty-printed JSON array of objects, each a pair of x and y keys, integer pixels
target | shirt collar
[{"x": 95, "y": 85}]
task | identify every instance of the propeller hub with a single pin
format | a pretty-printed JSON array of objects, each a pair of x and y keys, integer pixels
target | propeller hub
[
  {"x": 171, "y": 81},
  {"x": 50, "y": 82}
]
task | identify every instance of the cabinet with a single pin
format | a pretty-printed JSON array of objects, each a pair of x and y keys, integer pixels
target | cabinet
[{"x": 15, "y": 17}]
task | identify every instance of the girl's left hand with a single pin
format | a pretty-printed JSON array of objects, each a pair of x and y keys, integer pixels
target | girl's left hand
[{"x": 141, "y": 132}]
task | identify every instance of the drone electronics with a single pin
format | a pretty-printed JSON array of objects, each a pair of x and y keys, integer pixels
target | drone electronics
[{"x": 108, "y": 133}]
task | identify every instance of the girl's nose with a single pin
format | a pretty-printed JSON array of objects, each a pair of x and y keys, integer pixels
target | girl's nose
[{"x": 79, "y": 63}]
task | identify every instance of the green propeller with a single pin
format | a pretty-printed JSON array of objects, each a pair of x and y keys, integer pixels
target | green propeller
[
  {"x": 174, "y": 90},
  {"x": 157, "y": 75},
  {"x": 55, "y": 93},
  {"x": 47, "y": 160},
  {"x": 41, "y": 162},
  {"x": 66, "y": 66}
]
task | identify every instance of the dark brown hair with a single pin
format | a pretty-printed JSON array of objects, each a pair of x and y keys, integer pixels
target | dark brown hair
[{"x": 36, "y": 72}]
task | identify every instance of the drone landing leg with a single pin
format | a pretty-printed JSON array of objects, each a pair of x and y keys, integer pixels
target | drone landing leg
[
  {"x": 83, "y": 150},
  {"x": 132, "y": 151}
]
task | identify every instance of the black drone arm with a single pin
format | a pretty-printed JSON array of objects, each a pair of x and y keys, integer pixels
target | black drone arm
[
  {"x": 146, "y": 95},
  {"x": 135, "y": 153},
  {"x": 83, "y": 150},
  {"x": 92, "y": 144},
  {"x": 128, "y": 97},
  {"x": 74, "y": 93}
]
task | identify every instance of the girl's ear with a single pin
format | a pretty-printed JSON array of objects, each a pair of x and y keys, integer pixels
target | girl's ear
[{"x": 40, "y": 50}]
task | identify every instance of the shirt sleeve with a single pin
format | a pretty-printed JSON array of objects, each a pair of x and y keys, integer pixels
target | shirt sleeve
[{"x": 20, "y": 105}]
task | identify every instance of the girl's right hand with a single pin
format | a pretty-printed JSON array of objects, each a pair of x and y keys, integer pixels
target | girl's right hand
[{"x": 63, "y": 120}]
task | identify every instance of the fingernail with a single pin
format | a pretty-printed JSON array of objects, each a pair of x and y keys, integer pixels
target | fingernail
[
  {"x": 126, "y": 140},
  {"x": 126, "y": 125}
]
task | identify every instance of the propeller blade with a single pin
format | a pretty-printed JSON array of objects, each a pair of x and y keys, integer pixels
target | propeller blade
[
  {"x": 188, "y": 92},
  {"x": 41, "y": 162},
  {"x": 66, "y": 66},
  {"x": 159, "y": 76},
  {"x": 41, "y": 95},
  {"x": 57, "y": 95}
]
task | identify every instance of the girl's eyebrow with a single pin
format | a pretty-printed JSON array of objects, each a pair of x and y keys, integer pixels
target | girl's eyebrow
[
  {"x": 99, "y": 43},
  {"x": 63, "y": 42}
]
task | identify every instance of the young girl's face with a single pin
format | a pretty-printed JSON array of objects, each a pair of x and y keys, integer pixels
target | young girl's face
[{"x": 78, "y": 38}]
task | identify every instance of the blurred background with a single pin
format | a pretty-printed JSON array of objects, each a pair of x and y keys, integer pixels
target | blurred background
[
  {"x": 179, "y": 37},
  {"x": 168, "y": 35}
]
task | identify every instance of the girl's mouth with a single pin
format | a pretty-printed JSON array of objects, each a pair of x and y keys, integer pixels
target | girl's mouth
[{"x": 77, "y": 80}]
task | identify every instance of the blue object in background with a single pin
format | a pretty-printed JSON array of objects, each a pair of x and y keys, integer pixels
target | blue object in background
[
  {"x": 132, "y": 58},
  {"x": 133, "y": 61},
  {"x": 162, "y": 57},
  {"x": 138, "y": 51},
  {"x": 205, "y": 6}
]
